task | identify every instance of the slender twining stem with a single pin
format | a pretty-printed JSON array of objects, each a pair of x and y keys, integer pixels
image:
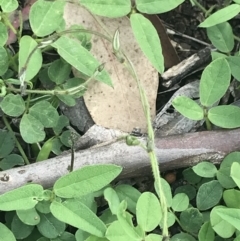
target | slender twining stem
[{"x": 16, "y": 140}]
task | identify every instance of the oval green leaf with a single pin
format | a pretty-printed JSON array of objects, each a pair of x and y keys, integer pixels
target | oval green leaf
[
  {"x": 49, "y": 226},
  {"x": 232, "y": 198},
  {"x": 214, "y": 82},
  {"x": 4, "y": 34},
  {"x": 156, "y": 6},
  {"x": 29, "y": 216},
  {"x": 149, "y": 212},
  {"x": 191, "y": 220},
  {"x": 223, "y": 174},
  {"x": 225, "y": 116},
  {"x": 3, "y": 60},
  {"x": 78, "y": 215},
  {"x": 235, "y": 169},
  {"x": 180, "y": 202},
  {"x": 9, "y": 5},
  {"x": 188, "y": 108},
  {"x": 209, "y": 194},
  {"x": 31, "y": 129},
  {"x": 234, "y": 63},
  {"x": 21, "y": 198},
  {"x": 7, "y": 143},
  {"x": 26, "y": 46},
  {"x": 219, "y": 225},
  {"x": 148, "y": 40},
  {"x": 46, "y": 16},
  {"x": 6, "y": 233},
  {"x": 221, "y": 36},
  {"x": 108, "y": 8},
  {"x": 221, "y": 16},
  {"x": 205, "y": 169},
  {"x": 13, "y": 105},
  {"x": 85, "y": 180},
  {"x": 45, "y": 113},
  {"x": 206, "y": 232},
  {"x": 80, "y": 58}
]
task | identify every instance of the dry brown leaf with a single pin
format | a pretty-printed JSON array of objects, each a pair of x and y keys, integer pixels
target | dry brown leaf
[{"x": 119, "y": 107}]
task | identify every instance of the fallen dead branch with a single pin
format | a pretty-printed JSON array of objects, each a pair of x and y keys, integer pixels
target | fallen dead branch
[{"x": 173, "y": 152}]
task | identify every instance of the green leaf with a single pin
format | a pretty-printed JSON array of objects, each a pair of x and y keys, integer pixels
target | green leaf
[
  {"x": 148, "y": 40},
  {"x": 232, "y": 198},
  {"x": 3, "y": 34},
  {"x": 20, "y": 229},
  {"x": 65, "y": 138},
  {"x": 156, "y": 6},
  {"x": 125, "y": 220},
  {"x": 25, "y": 197},
  {"x": 167, "y": 192},
  {"x": 219, "y": 225},
  {"x": 6, "y": 234},
  {"x": 234, "y": 63},
  {"x": 3, "y": 61},
  {"x": 214, "y": 82},
  {"x": 59, "y": 71},
  {"x": 221, "y": 36},
  {"x": 149, "y": 212},
  {"x": 31, "y": 129},
  {"x": 188, "y": 189},
  {"x": 115, "y": 232},
  {"x": 209, "y": 194},
  {"x": 46, "y": 16},
  {"x": 190, "y": 176},
  {"x": 231, "y": 215},
  {"x": 191, "y": 220},
  {"x": 75, "y": 54},
  {"x": 13, "y": 105},
  {"x": 205, "y": 169},
  {"x": 225, "y": 116},
  {"x": 11, "y": 161},
  {"x": 9, "y": 5},
  {"x": 221, "y": 16},
  {"x": 234, "y": 174},
  {"x": 153, "y": 237},
  {"x": 129, "y": 194},
  {"x": 61, "y": 123},
  {"x": 45, "y": 113},
  {"x": 78, "y": 215},
  {"x": 108, "y": 8},
  {"x": 67, "y": 100},
  {"x": 170, "y": 220},
  {"x": 188, "y": 107},
  {"x": 180, "y": 202},
  {"x": 223, "y": 174},
  {"x": 7, "y": 143},
  {"x": 29, "y": 216},
  {"x": 112, "y": 198},
  {"x": 49, "y": 226},
  {"x": 85, "y": 180},
  {"x": 206, "y": 232},
  {"x": 26, "y": 46},
  {"x": 182, "y": 237}
]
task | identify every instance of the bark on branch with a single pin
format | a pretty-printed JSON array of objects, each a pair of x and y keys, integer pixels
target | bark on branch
[{"x": 173, "y": 152}]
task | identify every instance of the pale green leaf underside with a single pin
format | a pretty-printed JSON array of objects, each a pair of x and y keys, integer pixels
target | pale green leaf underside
[
  {"x": 109, "y": 8},
  {"x": 148, "y": 40},
  {"x": 157, "y": 6},
  {"x": 80, "y": 58},
  {"x": 221, "y": 16}
]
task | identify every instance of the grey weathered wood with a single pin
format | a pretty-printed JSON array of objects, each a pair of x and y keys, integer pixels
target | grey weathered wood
[{"x": 173, "y": 152}]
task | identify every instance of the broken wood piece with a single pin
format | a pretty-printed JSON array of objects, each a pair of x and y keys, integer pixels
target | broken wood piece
[
  {"x": 172, "y": 152},
  {"x": 175, "y": 74}
]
